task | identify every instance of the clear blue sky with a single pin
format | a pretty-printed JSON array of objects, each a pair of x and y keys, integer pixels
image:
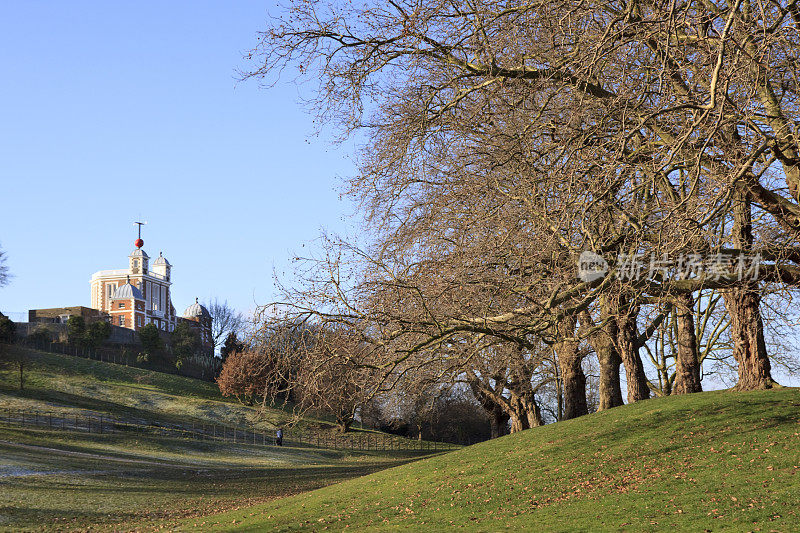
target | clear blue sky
[{"x": 113, "y": 112}]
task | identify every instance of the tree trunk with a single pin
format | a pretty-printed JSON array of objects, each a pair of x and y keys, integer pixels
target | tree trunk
[
  {"x": 743, "y": 305},
  {"x": 344, "y": 423},
  {"x": 534, "y": 415},
  {"x": 524, "y": 410},
  {"x": 495, "y": 427},
  {"x": 517, "y": 423},
  {"x": 687, "y": 360},
  {"x": 627, "y": 344},
  {"x": 603, "y": 342},
  {"x": 492, "y": 402},
  {"x": 572, "y": 376},
  {"x": 499, "y": 422},
  {"x": 609, "y": 388},
  {"x": 747, "y": 334}
]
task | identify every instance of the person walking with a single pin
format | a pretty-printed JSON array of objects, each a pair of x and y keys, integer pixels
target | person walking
[{"x": 279, "y": 437}]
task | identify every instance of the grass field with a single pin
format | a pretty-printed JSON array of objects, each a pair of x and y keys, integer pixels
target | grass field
[
  {"x": 705, "y": 462},
  {"x": 54, "y": 481},
  {"x": 66, "y": 384},
  {"x": 61, "y": 480}
]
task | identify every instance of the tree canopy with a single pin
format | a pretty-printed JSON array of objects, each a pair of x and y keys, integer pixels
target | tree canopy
[{"x": 504, "y": 140}]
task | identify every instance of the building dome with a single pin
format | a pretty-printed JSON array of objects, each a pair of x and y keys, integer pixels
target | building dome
[
  {"x": 126, "y": 292},
  {"x": 196, "y": 311},
  {"x": 139, "y": 253},
  {"x": 161, "y": 260}
]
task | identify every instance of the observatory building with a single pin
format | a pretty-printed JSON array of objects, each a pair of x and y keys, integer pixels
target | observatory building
[{"x": 141, "y": 294}]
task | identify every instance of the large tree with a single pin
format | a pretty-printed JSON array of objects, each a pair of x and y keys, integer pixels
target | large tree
[{"x": 504, "y": 138}]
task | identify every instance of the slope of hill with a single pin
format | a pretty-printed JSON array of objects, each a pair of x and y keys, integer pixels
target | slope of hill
[
  {"x": 59, "y": 383},
  {"x": 709, "y": 461},
  {"x": 73, "y": 480}
]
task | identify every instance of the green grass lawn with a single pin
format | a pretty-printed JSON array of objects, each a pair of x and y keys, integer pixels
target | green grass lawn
[
  {"x": 66, "y": 384},
  {"x": 705, "y": 462},
  {"x": 712, "y": 461},
  {"x": 61, "y": 480}
]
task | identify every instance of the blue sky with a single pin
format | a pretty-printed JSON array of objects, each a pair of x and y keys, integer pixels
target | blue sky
[{"x": 114, "y": 112}]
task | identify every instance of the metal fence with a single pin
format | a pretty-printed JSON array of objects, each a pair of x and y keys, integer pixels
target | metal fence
[{"x": 100, "y": 424}]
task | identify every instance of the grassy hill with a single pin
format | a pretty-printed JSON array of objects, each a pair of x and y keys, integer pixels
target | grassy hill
[
  {"x": 706, "y": 462},
  {"x": 66, "y": 384},
  {"x": 710, "y": 461},
  {"x": 65, "y": 480}
]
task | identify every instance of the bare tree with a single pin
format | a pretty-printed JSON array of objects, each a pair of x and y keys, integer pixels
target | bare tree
[
  {"x": 506, "y": 138},
  {"x": 328, "y": 380},
  {"x": 224, "y": 320},
  {"x": 5, "y": 276}
]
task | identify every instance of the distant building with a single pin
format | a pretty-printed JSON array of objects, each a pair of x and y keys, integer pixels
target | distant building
[
  {"x": 60, "y": 315},
  {"x": 138, "y": 295},
  {"x": 133, "y": 297},
  {"x": 201, "y": 320}
]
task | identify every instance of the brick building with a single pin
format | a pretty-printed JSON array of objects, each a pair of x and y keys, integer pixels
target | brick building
[
  {"x": 138, "y": 295},
  {"x": 141, "y": 294}
]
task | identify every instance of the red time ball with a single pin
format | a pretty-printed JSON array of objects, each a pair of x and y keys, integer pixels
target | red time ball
[{"x": 139, "y": 243}]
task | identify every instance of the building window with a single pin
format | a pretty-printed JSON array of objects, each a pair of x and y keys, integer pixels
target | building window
[
  {"x": 139, "y": 320},
  {"x": 122, "y": 321},
  {"x": 122, "y": 305}
]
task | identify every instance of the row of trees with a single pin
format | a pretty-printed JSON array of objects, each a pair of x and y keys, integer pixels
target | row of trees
[
  {"x": 300, "y": 364},
  {"x": 308, "y": 367},
  {"x": 505, "y": 139}
]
